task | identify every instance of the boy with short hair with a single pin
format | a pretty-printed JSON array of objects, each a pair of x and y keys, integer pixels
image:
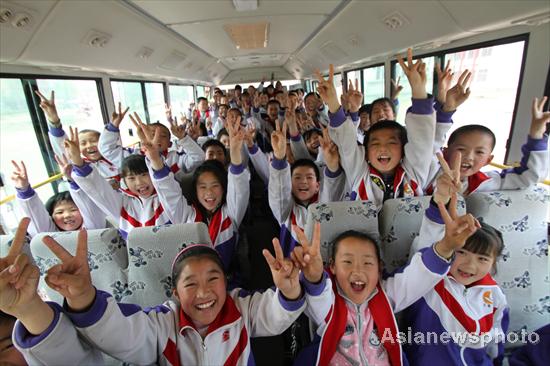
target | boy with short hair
[
  {"x": 396, "y": 167},
  {"x": 475, "y": 144}
]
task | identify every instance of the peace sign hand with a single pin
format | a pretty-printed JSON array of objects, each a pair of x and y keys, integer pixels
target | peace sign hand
[
  {"x": 307, "y": 256},
  {"x": 64, "y": 165},
  {"x": 72, "y": 147},
  {"x": 448, "y": 183},
  {"x": 18, "y": 276},
  {"x": 141, "y": 128},
  {"x": 444, "y": 78},
  {"x": 118, "y": 116},
  {"x": 416, "y": 74},
  {"x": 326, "y": 89},
  {"x": 458, "y": 94},
  {"x": 71, "y": 278},
  {"x": 540, "y": 119},
  {"x": 177, "y": 129},
  {"x": 278, "y": 140},
  {"x": 19, "y": 176},
  {"x": 396, "y": 88},
  {"x": 457, "y": 228},
  {"x": 285, "y": 274},
  {"x": 330, "y": 151},
  {"x": 48, "y": 106},
  {"x": 355, "y": 98}
]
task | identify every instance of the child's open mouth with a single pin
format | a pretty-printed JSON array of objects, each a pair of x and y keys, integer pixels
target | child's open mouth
[
  {"x": 464, "y": 274},
  {"x": 357, "y": 286},
  {"x": 384, "y": 159},
  {"x": 465, "y": 166},
  {"x": 206, "y": 305},
  {"x": 143, "y": 191}
]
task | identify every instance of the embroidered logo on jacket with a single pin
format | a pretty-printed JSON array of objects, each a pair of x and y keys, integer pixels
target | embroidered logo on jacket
[
  {"x": 376, "y": 180},
  {"x": 488, "y": 297},
  {"x": 225, "y": 336}
]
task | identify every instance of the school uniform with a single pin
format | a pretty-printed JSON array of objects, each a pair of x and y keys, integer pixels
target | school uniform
[
  {"x": 31, "y": 206},
  {"x": 165, "y": 335},
  {"x": 105, "y": 167},
  {"x": 131, "y": 210},
  {"x": 465, "y": 313},
  {"x": 223, "y": 226},
  {"x": 369, "y": 184},
  {"x": 186, "y": 156},
  {"x": 367, "y": 334}
]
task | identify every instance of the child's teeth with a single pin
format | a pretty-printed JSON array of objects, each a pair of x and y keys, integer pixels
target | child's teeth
[{"x": 205, "y": 305}]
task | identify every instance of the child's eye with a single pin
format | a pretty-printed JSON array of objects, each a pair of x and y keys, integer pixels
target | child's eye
[
  {"x": 213, "y": 279},
  {"x": 483, "y": 259},
  {"x": 346, "y": 262},
  {"x": 459, "y": 251},
  {"x": 189, "y": 285}
]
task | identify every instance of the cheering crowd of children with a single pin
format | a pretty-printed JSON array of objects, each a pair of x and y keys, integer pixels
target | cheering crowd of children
[{"x": 303, "y": 149}]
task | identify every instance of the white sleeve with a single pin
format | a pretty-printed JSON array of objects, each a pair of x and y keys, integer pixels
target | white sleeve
[
  {"x": 333, "y": 186},
  {"x": 57, "y": 139},
  {"x": 352, "y": 156},
  {"x": 192, "y": 155},
  {"x": 32, "y": 207},
  {"x": 280, "y": 190},
  {"x": 320, "y": 298},
  {"x": 270, "y": 313},
  {"x": 410, "y": 283},
  {"x": 299, "y": 148},
  {"x": 99, "y": 190},
  {"x": 260, "y": 162},
  {"x": 93, "y": 216},
  {"x": 109, "y": 145},
  {"x": 238, "y": 192},
  {"x": 58, "y": 344},
  {"x": 432, "y": 230}
]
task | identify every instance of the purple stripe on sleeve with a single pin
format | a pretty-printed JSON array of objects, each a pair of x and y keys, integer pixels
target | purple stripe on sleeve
[
  {"x": 25, "y": 193},
  {"x": 337, "y": 118},
  {"x": 27, "y": 340},
  {"x": 291, "y": 305},
  {"x": 111, "y": 127},
  {"x": 279, "y": 164},
  {"x": 422, "y": 106},
  {"x": 253, "y": 150},
  {"x": 94, "y": 313},
  {"x": 354, "y": 116},
  {"x": 73, "y": 185},
  {"x": 56, "y": 131},
  {"x": 433, "y": 262},
  {"x": 314, "y": 289},
  {"x": 159, "y": 174},
  {"x": 296, "y": 138},
  {"x": 236, "y": 169},
  {"x": 443, "y": 117},
  {"x": 332, "y": 174},
  {"x": 432, "y": 213},
  {"x": 82, "y": 171}
]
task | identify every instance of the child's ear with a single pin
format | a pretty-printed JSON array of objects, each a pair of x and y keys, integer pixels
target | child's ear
[
  {"x": 489, "y": 159},
  {"x": 175, "y": 293},
  {"x": 331, "y": 266},
  {"x": 317, "y": 187}
]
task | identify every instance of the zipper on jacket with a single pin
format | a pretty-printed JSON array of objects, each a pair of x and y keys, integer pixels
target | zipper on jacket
[{"x": 360, "y": 335}]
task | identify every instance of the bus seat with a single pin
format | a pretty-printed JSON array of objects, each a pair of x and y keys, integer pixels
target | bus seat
[
  {"x": 522, "y": 271},
  {"x": 400, "y": 221},
  {"x": 107, "y": 257},
  {"x": 151, "y": 251},
  {"x": 341, "y": 216}
]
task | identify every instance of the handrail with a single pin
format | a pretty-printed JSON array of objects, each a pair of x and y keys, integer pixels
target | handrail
[{"x": 60, "y": 175}]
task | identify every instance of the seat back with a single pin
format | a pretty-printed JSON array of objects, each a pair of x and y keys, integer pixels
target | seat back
[
  {"x": 107, "y": 257},
  {"x": 522, "y": 271},
  {"x": 338, "y": 217},
  {"x": 151, "y": 251},
  {"x": 400, "y": 221}
]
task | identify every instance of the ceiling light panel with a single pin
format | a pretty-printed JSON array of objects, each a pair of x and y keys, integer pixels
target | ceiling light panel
[{"x": 248, "y": 36}]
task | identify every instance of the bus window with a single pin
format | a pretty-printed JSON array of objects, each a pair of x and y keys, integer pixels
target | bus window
[
  {"x": 352, "y": 76},
  {"x": 338, "y": 83},
  {"x": 200, "y": 91},
  {"x": 405, "y": 95},
  {"x": 155, "y": 102},
  {"x": 18, "y": 138},
  {"x": 373, "y": 83},
  {"x": 181, "y": 96},
  {"x": 495, "y": 77},
  {"x": 129, "y": 95},
  {"x": 77, "y": 102}
]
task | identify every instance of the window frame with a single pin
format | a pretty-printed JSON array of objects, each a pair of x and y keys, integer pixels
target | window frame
[{"x": 143, "y": 92}]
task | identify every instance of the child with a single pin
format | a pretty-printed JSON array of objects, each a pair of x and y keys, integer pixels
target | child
[
  {"x": 364, "y": 122},
  {"x": 187, "y": 155},
  {"x": 219, "y": 197},
  {"x": 291, "y": 189},
  {"x": 476, "y": 142},
  {"x": 205, "y": 325},
  {"x": 353, "y": 309},
  {"x": 396, "y": 167},
  {"x": 88, "y": 139},
  {"x": 315, "y": 109},
  {"x": 138, "y": 205},
  {"x": 223, "y": 137},
  {"x": 467, "y": 303},
  {"x": 215, "y": 150},
  {"x": 64, "y": 211},
  {"x": 202, "y": 113}
]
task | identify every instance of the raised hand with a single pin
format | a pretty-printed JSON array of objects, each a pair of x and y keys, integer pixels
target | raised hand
[
  {"x": 448, "y": 183},
  {"x": 19, "y": 176},
  {"x": 457, "y": 228},
  {"x": 118, "y": 115},
  {"x": 71, "y": 278},
  {"x": 416, "y": 74},
  {"x": 355, "y": 98},
  {"x": 458, "y": 94},
  {"x": 177, "y": 130},
  {"x": 326, "y": 89},
  {"x": 444, "y": 79},
  {"x": 48, "y": 106},
  {"x": 139, "y": 125},
  {"x": 539, "y": 119},
  {"x": 330, "y": 151},
  {"x": 72, "y": 147},
  {"x": 236, "y": 138},
  {"x": 278, "y": 140},
  {"x": 307, "y": 256},
  {"x": 250, "y": 134},
  {"x": 193, "y": 129},
  {"x": 285, "y": 274},
  {"x": 290, "y": 119},
  {"x": 396, "y": 88},
  {"x": 65, "y": 165}
]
